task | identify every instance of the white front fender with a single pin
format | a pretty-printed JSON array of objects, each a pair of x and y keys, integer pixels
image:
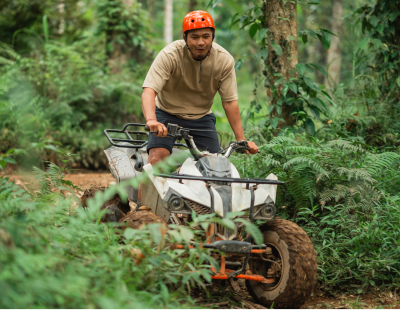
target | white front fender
[{"x": 197, "y": 191}]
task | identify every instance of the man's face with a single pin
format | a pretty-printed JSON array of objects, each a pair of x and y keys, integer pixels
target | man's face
[{"x": 199, "y": 42}]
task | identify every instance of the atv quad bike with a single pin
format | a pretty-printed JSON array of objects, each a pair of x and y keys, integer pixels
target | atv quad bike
[{"x": 282, "y": 272}]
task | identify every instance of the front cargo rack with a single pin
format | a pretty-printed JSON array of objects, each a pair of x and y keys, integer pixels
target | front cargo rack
[{"x": 136, "y": 143}]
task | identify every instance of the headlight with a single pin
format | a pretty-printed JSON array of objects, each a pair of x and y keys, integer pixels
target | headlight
[
  {"x": 176, "y": 203},
  {"x": 267, "y": 211}
]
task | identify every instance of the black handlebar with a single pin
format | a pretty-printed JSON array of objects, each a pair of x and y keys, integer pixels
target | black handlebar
[{"x": 175, "y": 131}]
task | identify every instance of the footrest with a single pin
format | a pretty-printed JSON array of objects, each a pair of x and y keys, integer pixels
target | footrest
[{"x": 231, "y": 246}]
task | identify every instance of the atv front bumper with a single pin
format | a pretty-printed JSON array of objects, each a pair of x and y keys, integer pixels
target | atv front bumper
[{"x": 235, "y": 247}]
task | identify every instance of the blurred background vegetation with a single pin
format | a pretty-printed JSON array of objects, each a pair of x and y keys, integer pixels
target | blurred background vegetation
[
  {"x": 71, "y": 68},
  {"x": 329, "y": 127}
]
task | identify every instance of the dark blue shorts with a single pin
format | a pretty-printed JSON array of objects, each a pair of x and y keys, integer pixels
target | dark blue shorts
[{"x": 204, "y": 140}]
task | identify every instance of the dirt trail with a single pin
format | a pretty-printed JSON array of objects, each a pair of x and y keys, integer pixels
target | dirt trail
[
  {"x": 82, "y": 180},
  {"x": 222, "y": 295}
]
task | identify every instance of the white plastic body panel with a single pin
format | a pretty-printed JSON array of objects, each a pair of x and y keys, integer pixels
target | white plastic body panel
[{"x": 197, "y": 190}]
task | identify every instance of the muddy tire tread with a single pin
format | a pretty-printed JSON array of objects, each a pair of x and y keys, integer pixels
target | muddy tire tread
[{"x": 303, "y": 264}]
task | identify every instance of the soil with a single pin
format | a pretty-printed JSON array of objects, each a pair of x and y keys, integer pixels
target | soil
[
  {"x": 222, "y": 294},
  {"x": 83, "y": 180}
]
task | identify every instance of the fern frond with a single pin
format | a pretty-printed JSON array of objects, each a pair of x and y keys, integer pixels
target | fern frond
[
  {"x": 273, "y": 148},
  {"x": 43, "y": 180},
  {"x": 301, "y": 186},
  {"x": 55, "y": 175},
  {"x": 339, "y": 93},
  {"x": 300, "y": 149},
  {"x": 343, "y": 144},
  {"x": 270, "y": 161},
  {"x": 338, "y": 192},
  {"x": 382, "y": 161},
  {"x": 355, "y": 173},
  {"x": 305, "y": 160},
  {"x": 284, "y": 140}
]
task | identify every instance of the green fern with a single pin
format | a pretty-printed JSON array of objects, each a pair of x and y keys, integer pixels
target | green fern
[
  {"x": 52, "y": 180},
  {"x": 355, "y": 173},
  {"x": 301, "y": 185},
  {"x": 345, "y": 145},
  {"x": 300, "y": 149},
  {"x": 269, "y": 161},
  {"x": 337, "y": 172},
  {"x": 379, "y": 162},
  {"x": 305, "y": 160}
]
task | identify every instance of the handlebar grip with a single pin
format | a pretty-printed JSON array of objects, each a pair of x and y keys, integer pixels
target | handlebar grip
[
  {"x": 146, "y": 128},
  {"x": 248, "y": 148}
]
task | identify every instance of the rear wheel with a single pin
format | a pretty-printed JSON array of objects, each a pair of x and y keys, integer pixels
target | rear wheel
[
  {"x": 116, "y": 200},
  {"x": 291, "y": 262}
]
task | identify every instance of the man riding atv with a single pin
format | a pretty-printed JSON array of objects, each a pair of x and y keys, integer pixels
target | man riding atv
[
  {"x": 178, "y": 93},
  {"x": 181, "y": 85}
]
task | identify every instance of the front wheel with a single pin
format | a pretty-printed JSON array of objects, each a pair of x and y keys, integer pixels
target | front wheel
[{"x": 291, "y": 262}]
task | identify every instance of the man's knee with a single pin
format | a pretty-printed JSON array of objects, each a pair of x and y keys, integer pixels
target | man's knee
[{"x": 157, "y": 154}]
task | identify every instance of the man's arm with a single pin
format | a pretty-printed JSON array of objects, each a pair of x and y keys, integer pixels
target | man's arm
[
  {"x": 149, "y": 112},
  {"x": 233, "y": 114}
]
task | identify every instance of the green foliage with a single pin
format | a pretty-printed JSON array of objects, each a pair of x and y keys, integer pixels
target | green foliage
[
  {"x": 345, "y": 196},
  {"x": 317, "y": 172},
  {"x": 21, "y": 21},
  {"x": 7, "y": 158},
  {"x": 355, "y": 250},
  {"x": 126, "y": 27},
  {"x": 381, "y": 22},
  {"x": 297, "y": 90},
  {"x": 53, "y": 180},
  {"x": 60, "y": 82},
  {"x": 363, "y": 113},
  {"x": 55, "y": 254},
  {"x": 59, "y": 94}
]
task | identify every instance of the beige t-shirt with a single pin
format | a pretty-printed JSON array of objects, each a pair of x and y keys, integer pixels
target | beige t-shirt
[{"x": 175, "y": 76}]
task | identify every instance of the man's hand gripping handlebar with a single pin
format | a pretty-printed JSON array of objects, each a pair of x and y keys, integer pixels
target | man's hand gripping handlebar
[
  {"x": 156, "y": 128},
  {"x": 175, "y": 131}
]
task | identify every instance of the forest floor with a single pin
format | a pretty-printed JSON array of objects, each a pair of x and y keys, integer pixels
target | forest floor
[{"x": 221, "y": 294}]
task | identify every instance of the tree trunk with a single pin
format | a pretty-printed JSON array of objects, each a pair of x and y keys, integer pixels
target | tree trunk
[
  {"x": 61, "y": 25},
  {"x": 281, "y": 22},
  {"x": 192, "y": 5},
  {"x": 334, "y": 57},
  {"x": 168, "y": 21},
  {"x": 150, "y": 5},
  {"x": 315, "y": 50}
]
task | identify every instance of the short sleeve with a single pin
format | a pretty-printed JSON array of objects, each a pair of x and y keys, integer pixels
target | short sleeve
[
  {"x": 227, "y": 85},
  {"x": 160, "y": 72}
]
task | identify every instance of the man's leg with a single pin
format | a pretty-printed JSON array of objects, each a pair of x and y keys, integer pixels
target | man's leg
[
  {"x": 156, "y": 154},
  {"x": 205, "y": 135}
]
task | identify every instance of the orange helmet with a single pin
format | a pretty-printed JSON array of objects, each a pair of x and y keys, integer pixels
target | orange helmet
[{"x": 197, "y": 19}]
